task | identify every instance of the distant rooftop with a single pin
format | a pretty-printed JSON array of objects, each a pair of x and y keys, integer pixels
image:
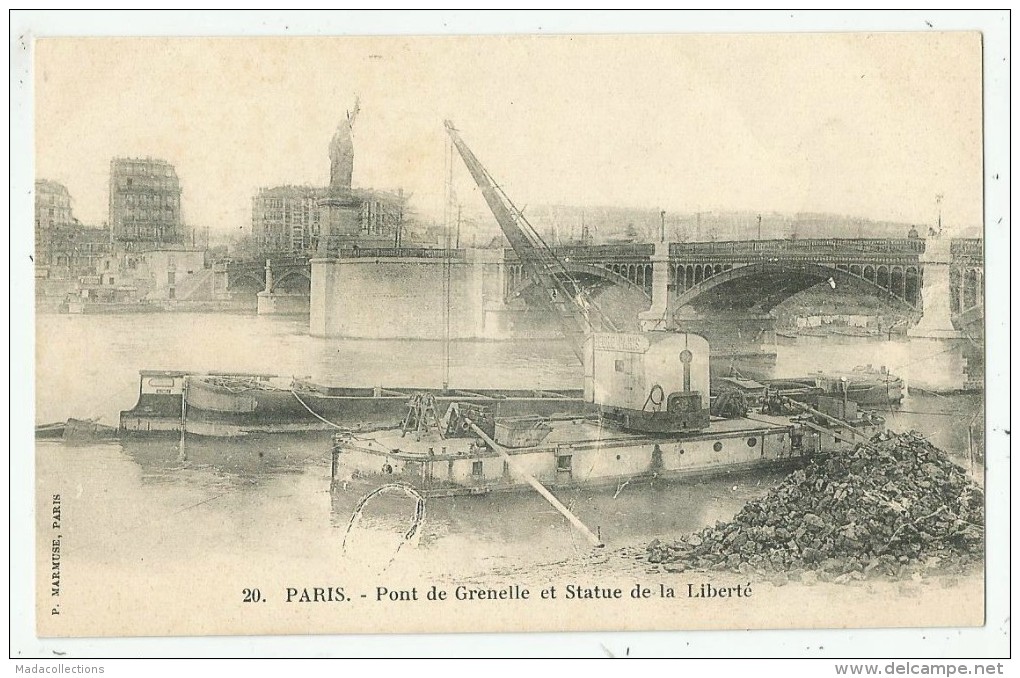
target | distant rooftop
[
  {"x": 303, "y": 191},
  {"x": 50, "y": 186},
  {"x": 147, "y": 159},
  {"x": 145, "y": 165}
]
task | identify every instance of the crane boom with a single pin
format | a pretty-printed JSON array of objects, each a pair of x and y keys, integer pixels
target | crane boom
[{"x": 562, "y": 294}]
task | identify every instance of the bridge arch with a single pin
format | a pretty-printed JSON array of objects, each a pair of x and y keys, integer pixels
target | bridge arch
[
  {"x": 244, "y": 280},
  {"x": 612, "y": 276},
  {"x": 287, "y": 279},
  {"x": 764, "y": 285}
]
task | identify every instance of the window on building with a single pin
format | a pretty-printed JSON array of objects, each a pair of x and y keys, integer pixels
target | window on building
[
  {"x": 564, "y": 462},
  {"x": 476, "y": 468},
  {"x": 170, "y": 277}
]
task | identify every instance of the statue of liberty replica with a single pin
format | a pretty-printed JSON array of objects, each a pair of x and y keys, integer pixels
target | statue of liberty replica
[
  {"x": 340, "y": 209},
  {"x": 341, "y": 154}
]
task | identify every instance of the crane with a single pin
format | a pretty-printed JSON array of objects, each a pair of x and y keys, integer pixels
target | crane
[{"x": 562, "y": 294}]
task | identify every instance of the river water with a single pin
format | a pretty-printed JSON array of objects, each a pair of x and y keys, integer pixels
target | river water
[{"x": 261, "y": 507}]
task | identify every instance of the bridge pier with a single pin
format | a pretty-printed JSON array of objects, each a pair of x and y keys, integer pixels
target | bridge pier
[
  {"x": 282, "y": 303},
  {"x": 941, "y": 365},
  {"x": 404, "y": 297},
  {"x": 272, "y": 302},
  {"x": 655, "y": 316},
  {"x": 936, "y": 299},
  {"x": 220, "y": 282}
]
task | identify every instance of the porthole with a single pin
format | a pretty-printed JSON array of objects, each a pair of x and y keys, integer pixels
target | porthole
[
  {"x": 751, "y": 442},
  {"x": 718, "y": 446}
]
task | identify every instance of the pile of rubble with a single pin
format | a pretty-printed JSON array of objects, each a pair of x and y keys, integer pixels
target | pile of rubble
[{"x": 895, "y": 507}]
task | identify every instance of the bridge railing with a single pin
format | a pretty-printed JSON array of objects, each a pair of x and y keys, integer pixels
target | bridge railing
[
  {"x": 282, "y": 261},
  {"x": 820, "y": 245},
  {"x": 400, "y": 252},
  {"x": 595, "y": 252},
  {"x": 291, "y": 261},
  {"x": 970, "y": 248}
]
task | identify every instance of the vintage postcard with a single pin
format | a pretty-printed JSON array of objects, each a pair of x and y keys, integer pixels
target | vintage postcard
[{"x": 508, "y": 333}]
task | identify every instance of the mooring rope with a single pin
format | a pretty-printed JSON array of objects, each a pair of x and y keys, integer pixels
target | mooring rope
[
  {"x": 419, "y": 514},
  {"x": 316, "y": 415}
]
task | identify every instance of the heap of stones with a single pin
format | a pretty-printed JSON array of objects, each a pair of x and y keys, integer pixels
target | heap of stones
[{"x": 897, "y": 506}]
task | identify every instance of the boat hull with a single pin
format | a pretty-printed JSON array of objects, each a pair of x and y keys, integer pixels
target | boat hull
[
  {"x": 238, "y": 405},
  {"x": 578, "y": 455}
]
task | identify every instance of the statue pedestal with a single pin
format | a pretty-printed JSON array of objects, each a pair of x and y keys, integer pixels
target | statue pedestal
[{"x": 340, "y": 217}]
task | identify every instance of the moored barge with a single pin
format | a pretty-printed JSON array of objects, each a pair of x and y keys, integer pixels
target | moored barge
[{"x": 234, "y": 404}]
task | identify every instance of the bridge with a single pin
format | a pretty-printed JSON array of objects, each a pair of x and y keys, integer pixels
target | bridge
[
  {"x": 758, "y": 275},
  {"x": 669, "y": 279}
]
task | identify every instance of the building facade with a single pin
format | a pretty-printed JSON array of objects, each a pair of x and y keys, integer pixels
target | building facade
[
  {"x": 291, "y": 219},
  {"x": 286, "y": 218},
  {"x": 64, "y": 247},
  {"x": 145, "y": 203},
  {"x": 52, "y": 205}
]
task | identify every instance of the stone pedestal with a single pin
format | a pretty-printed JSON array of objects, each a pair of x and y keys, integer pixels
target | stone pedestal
[{"x": 340, "y": 220}]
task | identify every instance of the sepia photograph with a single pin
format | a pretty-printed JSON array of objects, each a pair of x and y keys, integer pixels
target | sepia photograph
[{"x": 488, "y": 333}]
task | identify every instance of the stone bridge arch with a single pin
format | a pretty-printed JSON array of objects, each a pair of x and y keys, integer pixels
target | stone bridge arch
[
  {"x": 292, "y": 278},
  {"x": 764, "y": 285},
  {"x": 238, "y": 281}
]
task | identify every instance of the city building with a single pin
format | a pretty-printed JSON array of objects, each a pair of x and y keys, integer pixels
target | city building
[
  {"x": 290, "y": 219},
  {"x": 64, "y": 247},
  {"x": 145, "y": 203},
  {"x": 286, "y": 218},
  {"x": 52, "y": 205}
]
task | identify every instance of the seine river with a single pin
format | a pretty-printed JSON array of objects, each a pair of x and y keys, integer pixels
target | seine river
[{"x": 265, "y": 502}]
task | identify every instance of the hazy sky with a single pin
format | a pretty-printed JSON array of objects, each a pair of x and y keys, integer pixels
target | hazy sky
[{"x": 865, "y": 125}]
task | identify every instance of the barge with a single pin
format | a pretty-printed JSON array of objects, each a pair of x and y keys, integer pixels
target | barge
[
  {"x": 234, "y": 404},
  {"x": 220, "y": 404},
  {"x": 863, "y": 385},
  {"x": 652, "y": 421}
]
